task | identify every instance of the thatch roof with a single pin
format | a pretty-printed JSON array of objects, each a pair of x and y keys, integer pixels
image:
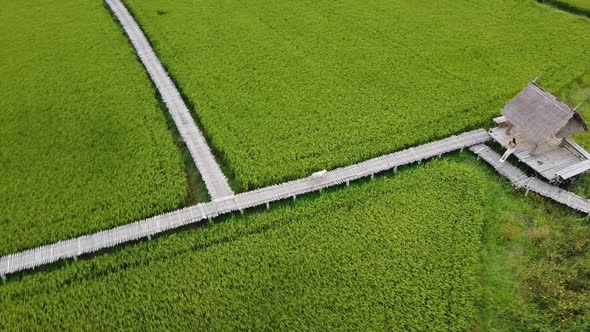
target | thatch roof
[{"x": 539, "y": 115}]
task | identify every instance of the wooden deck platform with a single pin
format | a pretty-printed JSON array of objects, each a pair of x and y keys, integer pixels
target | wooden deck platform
[{"x": 555, "y": 161}]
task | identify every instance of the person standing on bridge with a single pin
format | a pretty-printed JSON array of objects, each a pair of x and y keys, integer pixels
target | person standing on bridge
[{"x": 510, "y": 150}]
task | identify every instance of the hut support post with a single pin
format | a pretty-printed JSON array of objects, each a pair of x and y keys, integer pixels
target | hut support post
[
  {"x": 534, "y": 150},
  {"x": 509, "y": 128}
]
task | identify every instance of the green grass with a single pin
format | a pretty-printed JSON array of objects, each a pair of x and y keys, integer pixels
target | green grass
[
  {"x": 443, "y": 246},
  {"x": 530, "y": 243},
  {"x": 577, "y": 93},
  {"x": 536, "y": 269},
  {"x": 85, "y": 145},
  {"x": 286, "y": 88}
]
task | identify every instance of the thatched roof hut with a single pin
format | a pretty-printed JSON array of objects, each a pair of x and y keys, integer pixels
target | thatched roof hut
[{"x": 539, "y": 115}]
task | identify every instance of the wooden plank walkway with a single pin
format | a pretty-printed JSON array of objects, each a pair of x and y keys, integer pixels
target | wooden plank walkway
[
  {"x": 211, "y": 173},
  {"x": 519, "y": 179},
  {"x": 574, "y": 170},
  {"x": 145, "y": 228}
]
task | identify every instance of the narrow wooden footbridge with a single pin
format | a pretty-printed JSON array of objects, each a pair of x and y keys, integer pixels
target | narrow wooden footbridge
[
  {"x": 530, "y": 183},
  {"x": 211, "y": 173},
  {"x": 72, "y": 248},
  {"x": 146, "y": 228}
]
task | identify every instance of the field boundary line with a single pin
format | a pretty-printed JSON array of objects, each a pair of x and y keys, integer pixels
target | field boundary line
[
  {"x": 566, "y": 7},
  {"x": 215, "y": 181},
  {"x": 86, "y": 244}
]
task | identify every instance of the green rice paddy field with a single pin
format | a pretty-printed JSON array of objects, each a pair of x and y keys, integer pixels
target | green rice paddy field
[
  {"x": 283, "y": 89},
  {"x": 286, "y": 88},
  {"x": 446, "y": 246},
  {"x": 84, "y": 144}
]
